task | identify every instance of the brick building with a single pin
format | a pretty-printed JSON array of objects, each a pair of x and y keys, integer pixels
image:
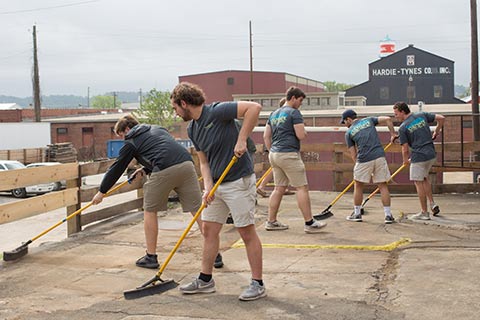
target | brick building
[{"x": 222, "y": 85}]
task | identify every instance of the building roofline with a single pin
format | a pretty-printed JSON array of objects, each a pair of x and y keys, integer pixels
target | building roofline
[{"x": 411, "y": 46}]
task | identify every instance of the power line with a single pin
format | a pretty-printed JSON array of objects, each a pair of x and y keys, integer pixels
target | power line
[{"x": 48, "y": 8}]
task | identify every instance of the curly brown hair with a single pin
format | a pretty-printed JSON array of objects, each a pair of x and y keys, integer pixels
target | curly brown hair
[{"x": 191, "y": 93}]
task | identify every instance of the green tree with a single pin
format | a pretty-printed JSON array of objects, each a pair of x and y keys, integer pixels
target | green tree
[
  {"x": 333, "y": 86},
  {"x": 106, "y": 102},
  {"x": 156, "y": 109}
]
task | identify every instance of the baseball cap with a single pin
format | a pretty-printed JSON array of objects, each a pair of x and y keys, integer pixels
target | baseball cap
[{"x": 349, "y": 113}]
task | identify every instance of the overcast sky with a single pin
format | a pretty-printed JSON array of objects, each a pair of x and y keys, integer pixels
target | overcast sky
[{"x": 120, "y": 45}]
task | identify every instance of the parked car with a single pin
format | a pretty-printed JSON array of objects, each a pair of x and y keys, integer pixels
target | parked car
[
  {"x": 59, "y": 184},
  {"x": 22, "y": 192}
]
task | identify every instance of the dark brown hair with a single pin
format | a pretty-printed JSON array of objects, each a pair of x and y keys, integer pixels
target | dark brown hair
[
  {"x": 402, "y": 107},
  {"x": 294, "y": 92},
  {"x": 125, "y": 122}
]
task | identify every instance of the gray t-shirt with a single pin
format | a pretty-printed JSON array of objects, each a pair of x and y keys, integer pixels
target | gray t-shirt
[
  {"x": 364, "y": 136},
  {"x": 216, "y": 134},
  {"x": 416, "y": 132},
  {"x": 282, "y": 121}
]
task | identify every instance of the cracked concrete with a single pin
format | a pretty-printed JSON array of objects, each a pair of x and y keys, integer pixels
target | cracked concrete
[{"x": 433, "y": 277}]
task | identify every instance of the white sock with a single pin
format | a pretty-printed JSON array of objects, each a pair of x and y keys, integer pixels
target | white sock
[
  {"x": 357, "y": 210},
  {"x": 388, "y": 211}
]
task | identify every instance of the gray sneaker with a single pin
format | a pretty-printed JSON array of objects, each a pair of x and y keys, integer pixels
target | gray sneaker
[
  {"x": 253, "y": 292},
  {"x": 315, "y": 227},
  {"x": 420, "y": 216},
  {"x": 198, "y": 286},
  {"x": 354, "y": 218},
  {"x": 275, "y": 225}
]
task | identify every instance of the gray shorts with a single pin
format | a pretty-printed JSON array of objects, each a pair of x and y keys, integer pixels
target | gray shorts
[
  {"x": 235, "y": 197},
  {"x": 374, "y": 170},
  {"x": 182, "y": 178},
  {"x": 288, "y": 168},
  {"x": 420, "y": 170}
]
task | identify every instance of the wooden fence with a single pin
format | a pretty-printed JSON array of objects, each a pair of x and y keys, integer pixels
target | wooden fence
[{"x": 340, "y": 166}]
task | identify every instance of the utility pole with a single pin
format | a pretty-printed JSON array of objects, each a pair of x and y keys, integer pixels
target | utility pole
[
  {"x": 36, "y": 79},
  {"x": 140, "y": 97},
  {"x": 114, "y": 99},
  {"x": 88, "y": 97},
  {"x": 474, "y": 79},
  {"x": 251, "y": 57},
  {"x": 474, "y": 66}
]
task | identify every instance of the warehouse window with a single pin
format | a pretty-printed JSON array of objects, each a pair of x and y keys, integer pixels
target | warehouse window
[
  {"x": 437, "y": 91},
  {"x": 62, "y": 130},
  {"x": 230, "y": 81},
  {"x": 384, "y": 93},
  {"x": 411, "y": 92}
]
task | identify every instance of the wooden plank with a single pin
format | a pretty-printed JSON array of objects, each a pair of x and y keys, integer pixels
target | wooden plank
[
  {"x": 88, "y": 193},
  {"x": 112, "y": 211},
  {"x": 97, "y": 167},
  {"x": 12, "y": 179},
  {"x": 29, "y": 207}
]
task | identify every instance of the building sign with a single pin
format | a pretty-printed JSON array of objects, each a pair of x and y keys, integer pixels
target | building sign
[
  {"x": 427, "y": 71},
  {"x": 410, "y": 60}
]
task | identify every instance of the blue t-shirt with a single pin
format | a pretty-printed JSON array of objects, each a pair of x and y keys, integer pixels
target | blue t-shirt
[
  {"x": 282, "y": 121},
  {"x": 416, "y": 132},
  {"x": 363, "y": 135},
  {"x": 216, "y": 134}
]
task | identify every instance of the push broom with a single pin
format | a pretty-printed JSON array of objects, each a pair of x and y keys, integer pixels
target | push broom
[
  {"x": 327, "y": 213},
  {"x": 156, "y": 284},
  {"x": 23, "y": 249}
]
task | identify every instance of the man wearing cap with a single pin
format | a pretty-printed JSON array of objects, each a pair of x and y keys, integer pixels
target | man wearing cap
[{"x": 370, "y": 164}]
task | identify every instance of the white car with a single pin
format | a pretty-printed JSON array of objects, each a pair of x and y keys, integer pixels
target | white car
[
  {"x": 22, "y": 192},
  {"x": 59, "y": 184}
]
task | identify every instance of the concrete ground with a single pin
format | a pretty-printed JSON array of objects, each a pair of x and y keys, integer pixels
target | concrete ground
[{"x": 341, "y": 273}]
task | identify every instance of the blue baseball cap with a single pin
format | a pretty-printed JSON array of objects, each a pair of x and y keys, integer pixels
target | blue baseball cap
[{"x": 349, "y": 113}]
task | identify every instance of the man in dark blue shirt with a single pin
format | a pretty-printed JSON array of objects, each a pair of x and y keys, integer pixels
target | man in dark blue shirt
[
  {"x": 414, "y": 133},
  {"x": 216, "y": 138}
]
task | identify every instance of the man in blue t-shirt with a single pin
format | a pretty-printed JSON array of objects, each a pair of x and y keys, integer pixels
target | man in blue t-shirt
[
  {"x": 283, "y": 132},
  {"x": 415, "y": 133},
  {"x": 216, "y": 138},
  {"x": 369, "y": 157}
]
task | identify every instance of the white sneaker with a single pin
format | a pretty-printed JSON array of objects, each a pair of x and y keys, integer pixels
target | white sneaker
[
  {"x": 420, "y": 216},
  {"x": 275, "y": 225},
  {"x": 315, "y": 227}
]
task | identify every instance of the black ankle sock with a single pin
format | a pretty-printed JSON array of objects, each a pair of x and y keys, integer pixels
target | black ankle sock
[
  {"x": 151, "y": 255},
  {"x": 205, "y": 277},
  {"x": 260, "y": 282},
  {"x": 309, "y": 223}
]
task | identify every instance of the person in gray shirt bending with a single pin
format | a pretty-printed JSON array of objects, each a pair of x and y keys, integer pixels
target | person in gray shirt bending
[{"x": 370, "y": 164}]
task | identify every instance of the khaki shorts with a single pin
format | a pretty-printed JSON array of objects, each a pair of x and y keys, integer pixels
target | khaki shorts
[
  {"x": 235, "y": 197},
  {"x": 288, "y": 168},
  {"x": 374, "y": 170},
  {"x": 419, "y": 170},
  {"x": 182, "y": 178}
]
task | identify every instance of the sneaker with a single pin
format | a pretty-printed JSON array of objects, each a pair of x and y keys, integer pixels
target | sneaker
[
  {"x": 253, "y": 292},
  {"x": 420, "y": 216},
  {"x": 198, "y": 286},
  {"x": 435, "y": 209},
  {"x": 218, "y": 261},
  {"x": 355, "y": 218},
  {"x": 229, "y": 219},
  {"x": 389, "y": 219},
  {"x": 315, "y": 227},
  {"x": 148, "y": 261},
  {"x": 275, "y": 225}
]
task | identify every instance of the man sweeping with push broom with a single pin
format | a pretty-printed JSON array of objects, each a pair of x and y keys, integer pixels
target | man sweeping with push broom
[
  {"x": 216, "y": 138},
  {"x": 169, "y": 167}
]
